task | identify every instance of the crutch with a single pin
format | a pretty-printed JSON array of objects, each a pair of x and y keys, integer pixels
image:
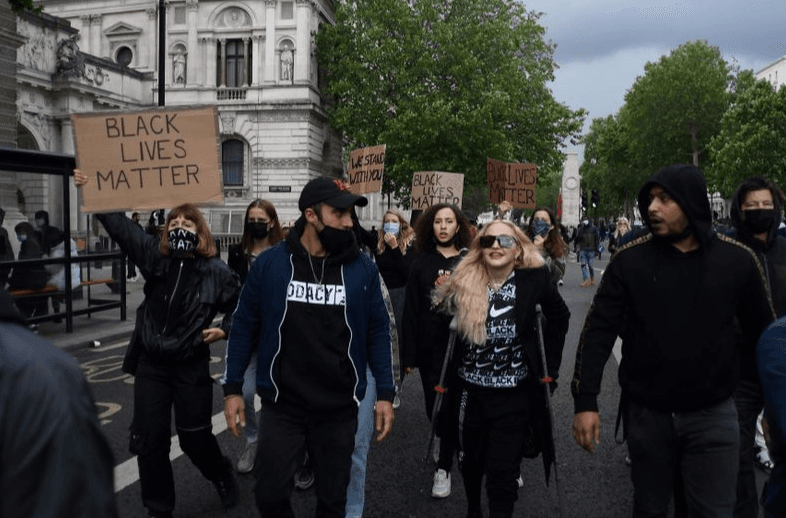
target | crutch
[{"x": 545, "y": 380}]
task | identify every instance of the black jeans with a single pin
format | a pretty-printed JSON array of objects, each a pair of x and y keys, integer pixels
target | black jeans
[
  {"x": 749, "y": 400},
  {"x": 284, "y": 435},
  {"x": 157, "y": 387},
  {"x": 703, "y": 444},
  {"x": 492, "y": 428}
]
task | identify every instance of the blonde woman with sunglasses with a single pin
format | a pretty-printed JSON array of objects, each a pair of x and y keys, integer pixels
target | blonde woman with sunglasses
[{"x": 500, "y": 379}]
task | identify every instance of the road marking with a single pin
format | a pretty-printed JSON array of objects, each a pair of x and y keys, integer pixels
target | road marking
[{"x": 126, "y": 473}]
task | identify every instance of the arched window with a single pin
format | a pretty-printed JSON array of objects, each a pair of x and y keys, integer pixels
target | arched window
[{"x": 232, "y": 159}]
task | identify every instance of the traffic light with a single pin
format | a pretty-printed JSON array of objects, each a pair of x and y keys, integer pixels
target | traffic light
[
  {"x": 595, "y": 198},
  {"x": 583, "y": 199}
]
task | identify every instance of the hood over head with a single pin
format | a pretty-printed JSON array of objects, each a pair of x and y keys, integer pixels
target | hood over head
[
  {"x": 755, "y": 183},
  {"x": 686, "y": 185}
]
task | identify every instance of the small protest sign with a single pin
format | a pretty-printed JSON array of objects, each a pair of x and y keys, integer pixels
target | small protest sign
[
  {"x": 512, "y": 182},
  {"x": 148, "y": 159},
  {"x": 433, "y": 187},
  {"x": 366, "y": 166}
]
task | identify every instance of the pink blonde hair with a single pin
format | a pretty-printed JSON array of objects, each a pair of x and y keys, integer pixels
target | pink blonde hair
[{"x": 465, "y": 292}]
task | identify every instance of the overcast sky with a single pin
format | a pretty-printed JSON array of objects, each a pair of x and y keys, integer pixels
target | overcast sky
[{"x": 603, "y": 45}]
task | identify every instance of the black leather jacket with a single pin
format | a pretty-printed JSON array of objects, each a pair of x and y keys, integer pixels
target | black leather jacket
[{"x": 182, "y": 297}]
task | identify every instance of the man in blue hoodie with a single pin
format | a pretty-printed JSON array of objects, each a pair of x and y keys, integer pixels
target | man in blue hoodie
[
  {"x": 312, "y": 307},
  {"x": 673, "y": 297}
]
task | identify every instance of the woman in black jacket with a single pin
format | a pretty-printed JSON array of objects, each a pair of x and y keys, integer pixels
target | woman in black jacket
[
  {"x": 29, "y": 277},
  {"x": 261, "y": 230},
  {"x": 169, "y": 352},
  {"x": 493, "y": 293},
  {"x": 440, "y": 235}
]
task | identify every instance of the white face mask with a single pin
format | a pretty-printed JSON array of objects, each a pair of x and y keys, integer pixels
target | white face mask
[{"x": 22, "y": 238}]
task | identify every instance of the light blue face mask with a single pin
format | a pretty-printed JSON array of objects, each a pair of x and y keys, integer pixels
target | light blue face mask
[
  {"x": 22, "y": 238},
  {"x": 540, "y": 227},
  {"x": 391, "y": 228}
]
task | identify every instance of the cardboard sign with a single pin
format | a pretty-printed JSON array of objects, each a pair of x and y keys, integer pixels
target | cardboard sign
[
  {"x": 512, "y": 182},
  {"x": 366, "y": 166},
  {"x": 148, "y": 159},
  {"x": 433, "y": 187}
]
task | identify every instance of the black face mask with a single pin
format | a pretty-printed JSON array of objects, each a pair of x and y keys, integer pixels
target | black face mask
[
  {"x": 334, "y": 240},
  {"x": 182, "y": 242},
  {"x": 257, "y": 230},
  {"x": 758, "y": 221}
]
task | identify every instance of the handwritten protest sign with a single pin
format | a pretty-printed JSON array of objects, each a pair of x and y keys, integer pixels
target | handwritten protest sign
[
  {"x": 512, "y": 182},
  {"x": 366, "y": 166},
  {"x": 433, "y": 187},
  {"x": 148, "y": 159}
]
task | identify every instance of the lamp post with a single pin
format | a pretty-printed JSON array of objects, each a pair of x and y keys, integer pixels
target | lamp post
[{"x": 161, "y": 52}]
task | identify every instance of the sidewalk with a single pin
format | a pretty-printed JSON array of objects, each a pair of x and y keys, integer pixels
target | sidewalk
[{"x": 103, "y": 326}]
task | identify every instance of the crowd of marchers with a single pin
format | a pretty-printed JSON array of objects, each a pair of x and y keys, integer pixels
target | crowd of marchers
[{"x": 323, "y": 320}]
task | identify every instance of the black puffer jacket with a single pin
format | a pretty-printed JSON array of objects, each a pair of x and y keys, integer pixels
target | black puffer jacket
[{"x": 182, "y": 297}]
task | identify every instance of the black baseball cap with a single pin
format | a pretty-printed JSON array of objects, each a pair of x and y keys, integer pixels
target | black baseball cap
[{"x": 332, "y": 191}]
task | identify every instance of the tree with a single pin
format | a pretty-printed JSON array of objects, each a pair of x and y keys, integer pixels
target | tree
[
  {"x": 750, "y": 141},
  {"x": 445, "y": 85},
  {"x": 675, "y": 108},
  {"x": 19, "y": 6}
]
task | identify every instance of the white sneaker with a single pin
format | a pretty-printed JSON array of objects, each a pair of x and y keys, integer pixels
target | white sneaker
[
  {"x": 441, "y": 488},
  {"x": 246, "y": 462},
  {"x": 396, "y": 401},
  {"x": 520, "y": 481}
]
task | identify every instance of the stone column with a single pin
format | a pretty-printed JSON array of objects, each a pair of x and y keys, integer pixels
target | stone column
[
  {"x": 96, "y": 47},
  {"x": 223, "y": 65},
  {"x": 256, "y": 59},
  {"x": 86, "y": 34},
  {"x": 192, "y": 8},
  {"x": 270, "y": 43},
  {"x": 571, "y": 195},
  {"x": 151, "y": 37},
  {"x": 302, "y": 54},
  {"x": 246, "y": 57},
  {"x": 209, "y": 51}
]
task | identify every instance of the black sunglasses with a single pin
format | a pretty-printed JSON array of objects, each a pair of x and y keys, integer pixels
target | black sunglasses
[{"x": 504, "y": 241}]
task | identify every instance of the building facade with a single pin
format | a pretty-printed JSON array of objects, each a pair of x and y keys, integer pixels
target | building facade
[
  {"x": 774, "y": 73},
  {"x": 254, "y": 60}
]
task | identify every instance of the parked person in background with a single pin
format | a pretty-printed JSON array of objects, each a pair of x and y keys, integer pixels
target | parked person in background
[
  {"x": 131, "y": 276},
  {"x": 394, "y": 260},
  {"x": 616, "y": 239},
  {"x": 56, "y": 462},
  {"x": 169, "y": 353},
  {"x": 544, "y": 232},
  {"x": 29, "y": 277},
  {"x": 261, "y": 230},
  {"x": 588, "y": 241},
  {"x": 756, "y": 215},
  {"x": 440, "y": 235},
  {"x": 673, "y": 297},
  {"x": 6, "y": 251},
  {"x": 499, "y": 360},
  {"x": 57, "y": 271},
  {"x": 312, "y": 307},
  {"x": 48, "y": 236}
]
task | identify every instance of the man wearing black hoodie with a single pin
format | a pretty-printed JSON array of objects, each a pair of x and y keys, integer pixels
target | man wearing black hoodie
[
  {"x": 756, "y": 215},
  {"x": 673, "y": 295}
]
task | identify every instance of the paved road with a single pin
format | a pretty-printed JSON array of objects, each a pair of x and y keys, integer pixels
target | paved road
[{"x": 594, "y": 485}]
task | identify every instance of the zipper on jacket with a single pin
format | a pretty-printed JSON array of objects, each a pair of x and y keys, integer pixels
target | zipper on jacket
[{"x": 172, "y": 296}]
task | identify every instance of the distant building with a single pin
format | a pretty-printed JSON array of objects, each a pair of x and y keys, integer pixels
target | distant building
[
  {"x": 774, "y": 73},
  {"x": 254, "y": 60}
]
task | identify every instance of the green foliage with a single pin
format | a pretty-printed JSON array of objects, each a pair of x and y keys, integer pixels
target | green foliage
[
  {"x": 675, "y": 108},
  {"x": 19, "y": 6},
  {"x": 751, "y": 139},
  {"x": 445, "y": 85}
]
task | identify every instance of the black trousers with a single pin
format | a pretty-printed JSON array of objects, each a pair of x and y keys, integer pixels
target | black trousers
[
  {"x": 284, "y": 436},
  {"x": 492, "y": 429},
  {"x": 446, "y": 420},
  {"x": 157, "y": 388}
]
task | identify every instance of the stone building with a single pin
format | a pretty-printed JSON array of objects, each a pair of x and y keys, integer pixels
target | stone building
[
  {"x": 774, "y": 73},
  {"x": 254, "y": 60}
]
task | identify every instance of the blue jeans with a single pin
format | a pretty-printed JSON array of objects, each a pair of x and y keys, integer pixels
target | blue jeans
[
  {"x": 702, "y": 443},
  {"x": 356, "y": 491},
  {"x": 774, "y": 495},
  {"x": 249, "y": 390},
  {"x": 586, "y": 258}
]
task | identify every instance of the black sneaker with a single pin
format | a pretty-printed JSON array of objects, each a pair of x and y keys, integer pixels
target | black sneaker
[
  {"x": 227, "y": 486},
  {"x": 304, "y": 477}
]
